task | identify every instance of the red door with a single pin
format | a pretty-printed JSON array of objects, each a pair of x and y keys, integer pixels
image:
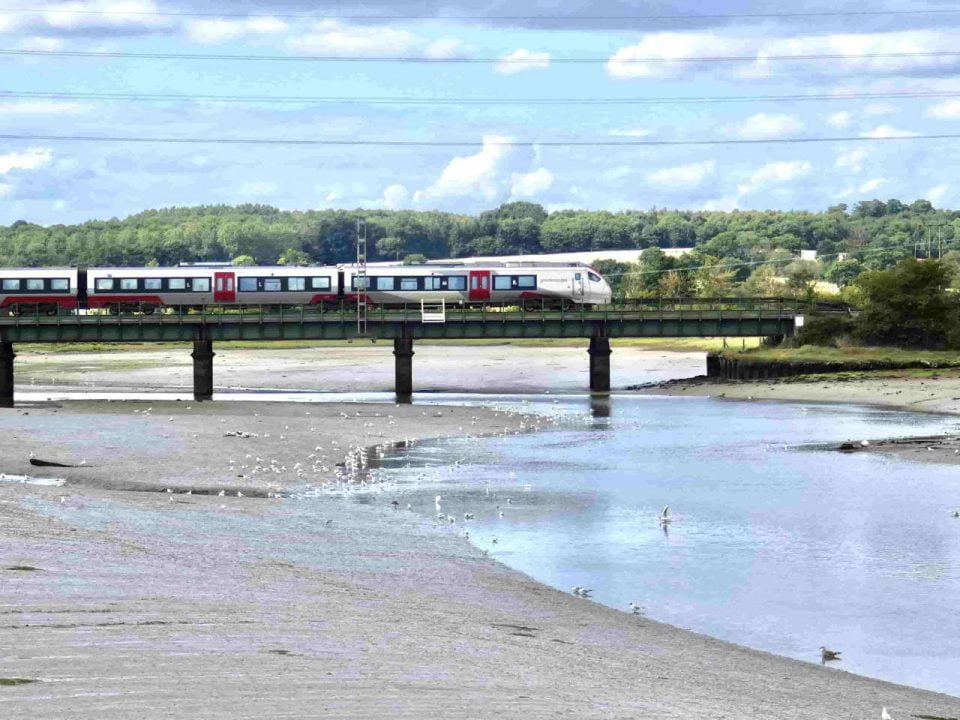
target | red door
[
  {"x": 224, "y": 287},
  {"x": 479, "y": 285}
]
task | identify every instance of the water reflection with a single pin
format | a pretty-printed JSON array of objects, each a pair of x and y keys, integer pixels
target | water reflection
[{"x": 771, "y": 547}]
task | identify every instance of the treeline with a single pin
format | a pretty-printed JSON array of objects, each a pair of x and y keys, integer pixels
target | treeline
[{"x": 739, "y": 247}]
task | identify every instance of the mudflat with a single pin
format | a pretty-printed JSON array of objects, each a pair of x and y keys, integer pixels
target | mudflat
[{"x": 121, "y": 600}]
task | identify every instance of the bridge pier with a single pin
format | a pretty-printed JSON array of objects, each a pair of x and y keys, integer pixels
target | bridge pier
[
  {"x": 6, "y": 373},
  {"x": 202, "y": 369},
  {"x": 403, "y": 352},
  {"x": 600, "y": 364}
]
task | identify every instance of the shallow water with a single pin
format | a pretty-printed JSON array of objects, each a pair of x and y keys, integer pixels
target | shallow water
[{"x": 773, "y": 547}]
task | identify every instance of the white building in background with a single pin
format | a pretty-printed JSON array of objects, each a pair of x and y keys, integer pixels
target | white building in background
[
  {"x": 808, "y": 254},
  {"x": 625, "y": 256}
]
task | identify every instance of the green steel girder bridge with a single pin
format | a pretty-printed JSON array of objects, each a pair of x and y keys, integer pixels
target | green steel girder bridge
[{"x": 699, "y": 317}]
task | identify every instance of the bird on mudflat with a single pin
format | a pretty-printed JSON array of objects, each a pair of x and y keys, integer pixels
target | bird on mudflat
[
  {"x": 636, "y": 609},
  {"x": 826, "y": 655},
  {"x": 885, "y": 714}
]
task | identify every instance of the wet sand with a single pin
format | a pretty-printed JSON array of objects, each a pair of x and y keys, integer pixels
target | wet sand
[{"x": 154, "y": 604}]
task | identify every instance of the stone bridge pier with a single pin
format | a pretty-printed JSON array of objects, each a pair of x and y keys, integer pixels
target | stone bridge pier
[{"x": 7, "y": 356}]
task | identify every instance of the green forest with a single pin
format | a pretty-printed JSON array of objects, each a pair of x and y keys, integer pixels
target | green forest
[{"x": 754, "y": 252}]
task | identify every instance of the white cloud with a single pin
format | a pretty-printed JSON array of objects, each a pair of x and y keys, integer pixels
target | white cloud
[
  {"x": 870, "y": 185},
  {"x": 935, "y": 194},
  {"x": 852, "y": 160},
  {"x": 724, "y": 204},
  {"x": 682, "y": 176},
  {"x": 124, "y": 14},
  {"x": 631, "y": 132},
  {"x": 840, "y": 119},
  {"x": 45, "y": 44},
  {"x": 332, "y": 197},
  {"x": 445, "y": 48},
  {"x": 395, "y": 197},
  {"x": 878, "y": 109},
  {"x": 663, "y": 47},
  {"x": 774, "y": 174},
  {"x": 763, "y": 126},
  {"x": 529, "y": 185},
  {"x": 258, "y": 188},
  {"x": 42, "y": 107},
  {"x": 335, "y": 38},
  {"x": 27, "y": 160},
  {"x": 522, "y": 60},
  {"x": 949, "y": 110},
  {"x": 5, "y": 189},
  {"x": 475, "y": 175},
  {"x": 210, "y": 32},
  {"x": 882, "y": 131}
]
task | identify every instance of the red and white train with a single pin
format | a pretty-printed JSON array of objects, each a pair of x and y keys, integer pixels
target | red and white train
[{"x": 144, "y": 289}]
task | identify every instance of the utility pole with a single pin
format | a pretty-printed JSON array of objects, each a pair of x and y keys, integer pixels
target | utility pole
[{"x": 361, "y": 278}]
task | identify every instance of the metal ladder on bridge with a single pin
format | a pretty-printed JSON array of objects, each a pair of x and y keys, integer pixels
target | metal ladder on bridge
[{"x": 361, "y": 279}]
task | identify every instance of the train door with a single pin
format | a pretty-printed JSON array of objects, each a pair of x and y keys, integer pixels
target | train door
[
  {"x": 479, "y": 285},
  {"x": 224, "y": 287},
  {"x": 578, "y": 286}
]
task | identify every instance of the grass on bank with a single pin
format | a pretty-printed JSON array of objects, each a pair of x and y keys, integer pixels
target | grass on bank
[{"x": 849, "y": 355}]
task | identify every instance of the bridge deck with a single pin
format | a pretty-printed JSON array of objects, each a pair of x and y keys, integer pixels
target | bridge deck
[{"x": 703, "y": 318}]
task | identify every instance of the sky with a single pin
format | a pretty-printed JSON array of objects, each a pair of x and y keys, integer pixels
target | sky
[{"x": 265, "y": 83}]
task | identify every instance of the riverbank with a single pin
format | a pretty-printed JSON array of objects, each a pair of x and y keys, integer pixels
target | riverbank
[{"x": 126, "y": 603}]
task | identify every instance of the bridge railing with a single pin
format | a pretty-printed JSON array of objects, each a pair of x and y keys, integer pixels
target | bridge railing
[{"x": 633, "y": 308}]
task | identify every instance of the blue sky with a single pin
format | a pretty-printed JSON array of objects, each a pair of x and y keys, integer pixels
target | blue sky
[{"x": 53, "y": 181}]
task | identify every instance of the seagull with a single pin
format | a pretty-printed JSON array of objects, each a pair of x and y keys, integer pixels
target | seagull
[
  {"x": 665, "y": 515},
  {"x": 636, "y": 609},
  {"x": 826, "y": 655},
  {"x": 885, "y": 715}
]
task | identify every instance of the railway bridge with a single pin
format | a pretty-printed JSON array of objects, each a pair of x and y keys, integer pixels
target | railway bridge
[{"x": 203, "y": 326}]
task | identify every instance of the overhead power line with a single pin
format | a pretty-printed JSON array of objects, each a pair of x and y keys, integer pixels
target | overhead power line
[
  {"x": 460, "y": 143},
  {"x": 479, "y": 60},
  {"x": 383, "y": 100},
  {"x": 558, "y": 18}
]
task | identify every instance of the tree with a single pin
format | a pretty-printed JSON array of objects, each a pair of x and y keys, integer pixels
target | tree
[
  {"x": 293, "y": 258},
  {"x": 673, "y": 284},
  {"x": 415, "y": 259},
  {"x": 802, "y": 277},
  {"x": 843, "y": 272},
  {"x": 244, "y": 260},
  {"x": 908, "y": 306}
]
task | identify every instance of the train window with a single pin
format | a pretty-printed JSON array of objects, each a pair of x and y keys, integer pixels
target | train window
[
  {"x": 527, "y": 281},
  {"x": 11, "y": 284},
  {"x": 320, "y": 283},
  {"x": 153, "y": 283},
  {"x": 408, "y": 283},
  {"x": 502, "y": 282},
  {"x": 201, "y": 284},
  {"x": 177, "y": 284},
  {"x": 128, "y": 284},
  {"x": 361, "y": 283},
  {"x": 246, "y": 284},
  {"x": 432, "y": 283},
  {"x": 294, "y": 284},
  {"x": 457, "y": 282},
  {"x": 384, "y": 283},
  {"x": 272, "y": 285},
  {"x": 60, "y": 284},
  {"x": 35, "y": 284},
  {"x": 593, "y": 277},
  {"x": 102, "y": 284}
]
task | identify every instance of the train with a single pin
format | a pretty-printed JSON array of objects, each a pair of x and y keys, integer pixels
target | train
[{"x": 146, "y": 290}]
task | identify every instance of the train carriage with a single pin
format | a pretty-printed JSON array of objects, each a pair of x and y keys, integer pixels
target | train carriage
[
  {"x": 128, "y": 289},
  {"x": 38, "y": 290}
]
